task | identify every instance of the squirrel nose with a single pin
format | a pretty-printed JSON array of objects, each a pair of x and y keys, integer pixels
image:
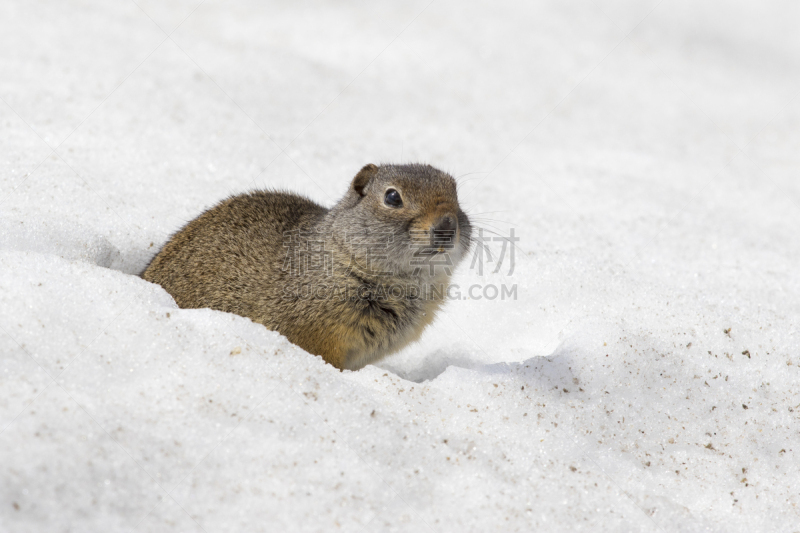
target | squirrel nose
[
  {"x": 443, "y": 232},
  {"x": 446, "y": 223}
]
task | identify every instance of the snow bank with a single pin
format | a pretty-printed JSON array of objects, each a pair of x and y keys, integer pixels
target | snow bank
[{"x": 643, "y": 379}]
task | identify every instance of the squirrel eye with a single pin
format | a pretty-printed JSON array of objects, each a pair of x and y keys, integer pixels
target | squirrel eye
[{"x": 392, "y": 198}]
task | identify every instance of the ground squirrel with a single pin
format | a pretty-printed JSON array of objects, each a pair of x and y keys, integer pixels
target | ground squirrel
[{"x": 353, "y": 283}]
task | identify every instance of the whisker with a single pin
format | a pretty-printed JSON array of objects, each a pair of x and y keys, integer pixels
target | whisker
[
  {"x": 488, "y": 212},
  {"x": 516, "y": 246},
  {"x": 487, "y": 221},
  {"x": 469, "y": 174}
]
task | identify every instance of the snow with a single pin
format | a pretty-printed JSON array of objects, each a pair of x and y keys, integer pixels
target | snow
[{"x": 645, "y": 378}]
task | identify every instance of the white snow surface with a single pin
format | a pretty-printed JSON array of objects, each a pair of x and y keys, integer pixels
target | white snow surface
[{"x": 646, "y": 378}]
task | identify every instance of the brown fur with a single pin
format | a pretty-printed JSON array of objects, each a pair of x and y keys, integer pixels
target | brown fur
[{"x": 233, "y": 258}]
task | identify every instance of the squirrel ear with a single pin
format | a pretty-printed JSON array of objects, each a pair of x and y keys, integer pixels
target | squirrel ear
[{"x": 362, "y": 178}]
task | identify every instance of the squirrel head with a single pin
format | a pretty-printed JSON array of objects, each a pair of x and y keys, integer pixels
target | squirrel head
[{"x": 403, "y": 220}]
